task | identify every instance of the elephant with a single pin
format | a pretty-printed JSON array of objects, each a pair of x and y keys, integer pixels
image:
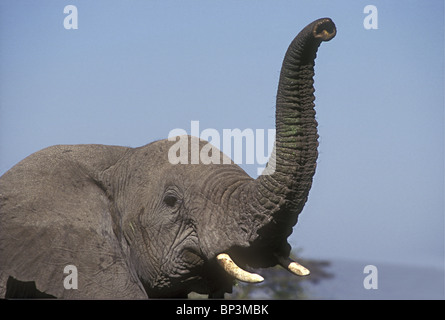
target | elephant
[{"x": 135, "y": 226}]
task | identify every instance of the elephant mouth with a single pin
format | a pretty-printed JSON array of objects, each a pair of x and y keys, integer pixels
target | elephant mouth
[
  {"x": 178, "y": 277},
  {"x": 239, "y": 273},
  {"x": 216, "y": 276},
  {"x": 193, "y": 257}
]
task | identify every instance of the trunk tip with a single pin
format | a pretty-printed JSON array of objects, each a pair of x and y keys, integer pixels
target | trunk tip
[{"x": 324, "y": 29}]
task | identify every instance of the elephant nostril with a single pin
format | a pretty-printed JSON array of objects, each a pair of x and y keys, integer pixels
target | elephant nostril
[
  {"x": 170, "y": 200},
  {"x": 325, "y": 30}
]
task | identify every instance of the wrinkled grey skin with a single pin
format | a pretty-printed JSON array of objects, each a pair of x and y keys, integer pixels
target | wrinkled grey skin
[{"x": 137, "y": 226}]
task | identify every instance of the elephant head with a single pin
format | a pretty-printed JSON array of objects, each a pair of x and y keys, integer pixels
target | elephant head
[{"x": 135, "y": 225}]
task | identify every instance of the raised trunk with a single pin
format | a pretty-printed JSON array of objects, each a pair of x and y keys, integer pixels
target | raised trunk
[{"x": 280, "y": 193}]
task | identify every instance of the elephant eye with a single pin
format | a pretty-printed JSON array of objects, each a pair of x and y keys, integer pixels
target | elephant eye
[{"x": 170, "y": 200}]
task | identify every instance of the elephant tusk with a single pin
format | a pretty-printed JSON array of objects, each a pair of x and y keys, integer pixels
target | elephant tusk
[
  {"x": 293, "y": 266},
  {"x": 231, "y": 268}
]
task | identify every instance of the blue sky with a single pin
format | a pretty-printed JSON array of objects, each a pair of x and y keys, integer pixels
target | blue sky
[{"x": 134, "y": 70}]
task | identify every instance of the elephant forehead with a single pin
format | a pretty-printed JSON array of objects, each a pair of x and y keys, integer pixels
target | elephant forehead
[
  {"x": 187, "y": 160},
  {"x": 209, "y": 180},
  {"x": 184, "y": 150}
]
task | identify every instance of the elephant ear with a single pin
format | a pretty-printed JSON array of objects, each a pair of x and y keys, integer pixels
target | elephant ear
[{"x": 54, "y": 214}]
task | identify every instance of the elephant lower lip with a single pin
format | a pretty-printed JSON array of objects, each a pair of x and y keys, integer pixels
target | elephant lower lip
[{"x": 192, "y": 256}]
